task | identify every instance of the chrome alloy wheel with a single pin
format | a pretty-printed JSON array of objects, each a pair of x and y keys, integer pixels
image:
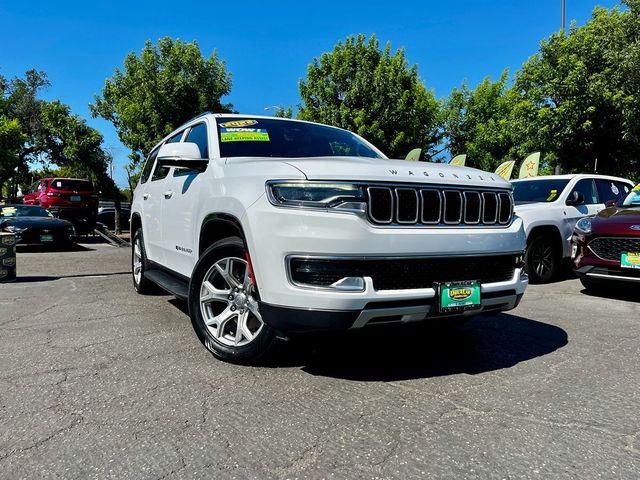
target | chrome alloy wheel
[
  {"x": 228, "y": 304},
  {"x": 137, "y": 261}
]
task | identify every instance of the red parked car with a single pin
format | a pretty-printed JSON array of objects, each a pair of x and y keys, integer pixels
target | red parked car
[
  {"x": 72, "y": 199},
  {"x": 606, "y": 247}
]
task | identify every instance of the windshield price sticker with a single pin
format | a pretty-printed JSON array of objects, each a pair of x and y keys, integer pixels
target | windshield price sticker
[
  {"x": 459, "y": 296},
  {"x": 244, "y": 135},
  {"x": 239, "y": 123},
  {"x": 630, "y": 260}
]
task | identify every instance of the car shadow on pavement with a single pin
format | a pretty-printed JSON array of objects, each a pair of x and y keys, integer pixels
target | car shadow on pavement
[
  {"x": 419, "y": 351},
  {"x": 626, "y": 293},
  {"x": 50, "y": 278},
  {"x": 51, "y": 249}
]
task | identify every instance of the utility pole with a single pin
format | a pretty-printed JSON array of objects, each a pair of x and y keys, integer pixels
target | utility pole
[{"x": 563, "y": 21}]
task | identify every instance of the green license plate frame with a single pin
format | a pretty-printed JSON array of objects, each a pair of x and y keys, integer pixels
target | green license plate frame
[{"x": 459, "y": 296}]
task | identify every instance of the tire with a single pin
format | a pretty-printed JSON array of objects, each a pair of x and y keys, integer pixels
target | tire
[
  {"x": 542, "y": 260},
  {"x": 217, "y": 309},
  {"x": 139, "y": 265}
]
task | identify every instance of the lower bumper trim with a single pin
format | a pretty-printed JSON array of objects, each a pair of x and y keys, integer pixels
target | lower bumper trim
[{"x": 290, "y": 319}]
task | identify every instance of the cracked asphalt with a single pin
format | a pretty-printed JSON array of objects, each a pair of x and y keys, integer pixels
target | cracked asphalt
[{"x": 99, "y": 382}]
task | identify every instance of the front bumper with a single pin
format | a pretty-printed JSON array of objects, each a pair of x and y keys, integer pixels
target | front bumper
[
  {"x": 297, "y": 320},
  {"x": 273, "y": 234}
]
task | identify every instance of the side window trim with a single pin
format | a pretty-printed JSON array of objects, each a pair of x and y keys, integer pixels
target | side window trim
[{"x": 151, "y": 160}]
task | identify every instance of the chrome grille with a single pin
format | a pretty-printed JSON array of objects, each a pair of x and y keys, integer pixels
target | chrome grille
[
  {"x": 612, "y": 248},
  {"x": 404, "y": 205}
]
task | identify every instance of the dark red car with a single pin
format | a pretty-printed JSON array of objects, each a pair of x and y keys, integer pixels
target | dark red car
[
  {"x": 72, "y": 199},
  {"x": 606, "y": 247}
]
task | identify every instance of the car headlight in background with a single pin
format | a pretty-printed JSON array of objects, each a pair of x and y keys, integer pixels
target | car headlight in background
[
  {"x": 14, "y": 229},
  {"x": 334, "y": 196},
  {"x": 584, "y": 225}
]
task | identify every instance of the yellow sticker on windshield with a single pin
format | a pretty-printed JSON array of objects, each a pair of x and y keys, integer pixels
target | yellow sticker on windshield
[
  {"x": 244, "y": 135},
  {"x": 636, "y": 188},
  {"x": 552, "y": 195},
  {"x": 239, "y": 123},
  {"x": 9, "y": 211}
]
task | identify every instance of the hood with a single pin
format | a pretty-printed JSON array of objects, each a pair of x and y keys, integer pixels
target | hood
[
  {"x": 525, "y": 208},
  {"x": 380, "y": 170},
  {"x": 617, "y": 220},
  {"x": 34, "y": 222}
]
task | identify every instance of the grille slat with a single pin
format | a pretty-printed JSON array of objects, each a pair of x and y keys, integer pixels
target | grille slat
[
  {"x": 430, "y": 206},
  {"x": 404, "y": 273},
  {"x": 612, "y": 248}
]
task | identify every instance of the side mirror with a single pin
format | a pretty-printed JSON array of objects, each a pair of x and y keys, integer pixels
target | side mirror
[
  {"x": 610, "y": 203},
  {"x": 576, "y": 198},
  {"x": 182, "y": 155}
]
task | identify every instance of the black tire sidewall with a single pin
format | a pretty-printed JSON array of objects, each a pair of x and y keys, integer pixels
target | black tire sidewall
[
  {"x": 144, "y": 286},
  {"x": 229, "y": 247},
  {"x": 533, "y": 276}
]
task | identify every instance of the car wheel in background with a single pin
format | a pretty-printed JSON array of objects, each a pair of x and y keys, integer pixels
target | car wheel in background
[
  {"x": 139, "y": 265},
  {"x": 542, "y": 259},
  {"x": 223, "y": 304}
]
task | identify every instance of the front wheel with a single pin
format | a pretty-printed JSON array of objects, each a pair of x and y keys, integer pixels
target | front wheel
[
  {"x": 542, "y": 260},
  {"x": 139, "y": 265},
  {"x": 223, "y": 304}
]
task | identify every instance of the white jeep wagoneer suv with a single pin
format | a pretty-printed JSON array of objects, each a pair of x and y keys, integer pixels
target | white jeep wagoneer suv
[{"x": 268, "y": 226}]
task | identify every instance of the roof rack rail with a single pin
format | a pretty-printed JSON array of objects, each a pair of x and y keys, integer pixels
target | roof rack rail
[{"x": 197, "y": 116}]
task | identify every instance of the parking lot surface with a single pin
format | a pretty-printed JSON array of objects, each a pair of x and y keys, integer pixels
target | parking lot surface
[{"x": 99, "y": 382}]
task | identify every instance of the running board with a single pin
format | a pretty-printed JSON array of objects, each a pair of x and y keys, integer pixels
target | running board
[{"x": 166, "y": 281}]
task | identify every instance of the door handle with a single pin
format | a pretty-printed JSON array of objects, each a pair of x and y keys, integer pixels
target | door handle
[
  {"x": 168, "y": 194},
  {"x": 145, "y": 196}
]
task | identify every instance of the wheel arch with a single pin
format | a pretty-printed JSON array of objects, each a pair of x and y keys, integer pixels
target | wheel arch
[
  {"x": 136, "y": 223},
  {"x": 217, "y": 226},
  {"x": 548, "y": 231}
]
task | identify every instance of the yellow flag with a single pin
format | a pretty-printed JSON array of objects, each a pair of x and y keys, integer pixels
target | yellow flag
[
  {"x": 414, "y": 155},
  {"x": 530, "y": 166},
  {"x": 458, "y": 160},
  {"x": 505, "y": 169}
]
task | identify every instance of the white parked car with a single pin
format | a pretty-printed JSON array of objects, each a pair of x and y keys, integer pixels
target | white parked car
[
  {"x": 268, "y": 226},
  {"x": 550, "y": 206}
]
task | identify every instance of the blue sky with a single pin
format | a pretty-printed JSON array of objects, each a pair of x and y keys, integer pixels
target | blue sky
[{"x": 268, "y": 45}]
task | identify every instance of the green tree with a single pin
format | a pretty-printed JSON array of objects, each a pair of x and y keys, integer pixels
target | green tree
[
  {"x": 580, "y": 94},
  {"x": 158, "y": 90},
  {"x": 373, "y": 93},
  {"x": 477, "y": 122}
]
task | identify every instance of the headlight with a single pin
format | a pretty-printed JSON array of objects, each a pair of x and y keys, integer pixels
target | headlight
[
  {"x": 338, "y": 196},
  {"x": 14, "y": 229},
  {"x": 584, "y": 225}
]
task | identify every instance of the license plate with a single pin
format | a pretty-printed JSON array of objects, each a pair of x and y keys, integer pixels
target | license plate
[
  {"x": 630, "y": 260},
  {"x": 459, "y": 296},
  {"x": 75, "y": 198},
  {"x": 46, "y": 238}
]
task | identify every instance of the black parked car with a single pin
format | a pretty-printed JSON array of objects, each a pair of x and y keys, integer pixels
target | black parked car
[
  {"x": 33, "y": 224},
  {"x": 107, "y": 216}
]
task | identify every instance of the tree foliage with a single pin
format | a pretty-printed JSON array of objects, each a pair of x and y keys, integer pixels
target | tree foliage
[
  {"x": 35, "y": 133},
  {"x": 372, "y": 92},
  {"x": 164, "y": 86},
  {"x": 577, "y": 100}
]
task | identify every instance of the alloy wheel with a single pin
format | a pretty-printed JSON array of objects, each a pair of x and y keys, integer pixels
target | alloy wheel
[
  {"x": 542, "y": 258},
  {"x": 228, "y": 303},
  {"x": 137, "y": 261}
]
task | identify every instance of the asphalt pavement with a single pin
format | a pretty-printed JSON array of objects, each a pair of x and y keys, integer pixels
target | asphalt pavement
[{"x": 99, "y": 382}]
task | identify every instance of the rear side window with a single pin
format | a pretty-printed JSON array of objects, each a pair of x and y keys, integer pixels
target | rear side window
[
  {"x": 198, "y": 135},
  {"x": 70, "y": 185},
  {"x": 611, "y": 190},
  {"x": 146, "y": 170}
]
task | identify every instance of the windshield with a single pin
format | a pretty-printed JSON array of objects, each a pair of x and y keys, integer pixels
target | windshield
[
  {"x": 10, "y": 211},
  {"x": 531, "y": 191},
  {"x": 289, "y": 139},
  {"x": 632, "y": 199},
  {"x": 72, "y": 185}
]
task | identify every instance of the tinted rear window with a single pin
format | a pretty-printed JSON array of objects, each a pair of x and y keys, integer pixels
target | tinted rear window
[
  {"x": 260, "y": 137},
  {"x": 72, "y": 185}
]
